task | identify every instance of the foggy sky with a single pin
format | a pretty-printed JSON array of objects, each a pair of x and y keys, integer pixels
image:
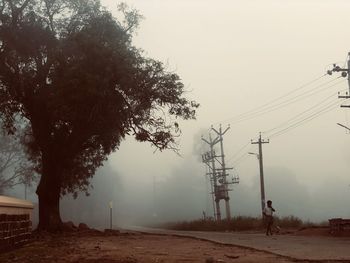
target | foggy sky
[{"x": 232, "y": 57}]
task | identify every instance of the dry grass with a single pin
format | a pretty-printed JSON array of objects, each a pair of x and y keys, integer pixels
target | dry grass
[{"x": 240, "y": 223}]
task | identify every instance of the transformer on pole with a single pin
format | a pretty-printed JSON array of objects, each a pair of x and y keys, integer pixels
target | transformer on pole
[{"x": 218, "y": 176}]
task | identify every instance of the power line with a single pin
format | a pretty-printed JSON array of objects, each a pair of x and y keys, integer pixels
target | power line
[
  {"x": 305, "y": 120},
  {"x": 280, "y": 97},
  {"x": 274, "y": 100},
  {"x": 244, "y": 156},
  {"x": 292, "y": 126},
  {"x": 237, "y": 152},
  {"x": 321, "y": 110},
  {"x": 240, "y": 159},
  {"x": 243, "y": 159},
  {"x": 288, "y": 101},
  {"x": 303, "y": 112},
  {"x": 301, "y": 118}
]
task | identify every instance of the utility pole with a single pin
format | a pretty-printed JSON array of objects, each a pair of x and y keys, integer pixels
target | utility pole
[
  {"x": 345, "y": 72},
  {"x": 209, "y": 159},
  {"x": 209, "y": 180},
  {"x": 220, "y": 133},
  {"x": 219, "y": 176},
  {"x": 260, "y": 142}
]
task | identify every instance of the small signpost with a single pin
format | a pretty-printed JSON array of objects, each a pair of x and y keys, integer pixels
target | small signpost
[{"x": 110, "y": 214}]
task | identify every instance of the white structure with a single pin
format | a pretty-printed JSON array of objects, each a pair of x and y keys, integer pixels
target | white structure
[{"x": 14, "y": 206}]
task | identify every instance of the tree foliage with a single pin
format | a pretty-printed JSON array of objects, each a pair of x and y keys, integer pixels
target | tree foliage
[{"x": 69, "y": 69}]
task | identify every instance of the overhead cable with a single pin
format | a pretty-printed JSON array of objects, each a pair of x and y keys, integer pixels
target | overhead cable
[
  {"x": 333, "y": 95},
  {"x": 306, "y": 120},
  {"x": 289, "y": 101},
  {"x": 274, "y": 100}
]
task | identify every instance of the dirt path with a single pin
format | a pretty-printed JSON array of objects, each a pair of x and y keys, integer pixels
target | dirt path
[
  {"x": 302, "y": 246},
  {"x": 131, "y": 248}
]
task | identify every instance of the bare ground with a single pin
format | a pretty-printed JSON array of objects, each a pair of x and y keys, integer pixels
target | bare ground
[{"x": 95, "y": 247}]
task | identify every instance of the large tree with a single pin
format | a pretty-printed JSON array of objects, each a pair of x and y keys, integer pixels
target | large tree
[{"x": 70, "y": 70}]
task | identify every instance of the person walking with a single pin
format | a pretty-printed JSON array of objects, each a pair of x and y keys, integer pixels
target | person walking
[{"x": 268, "y": 214}]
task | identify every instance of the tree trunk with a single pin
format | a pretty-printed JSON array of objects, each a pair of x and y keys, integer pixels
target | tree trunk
[
  {"x": 49, "y": 213},
  {"x": 48, "y": 192}
]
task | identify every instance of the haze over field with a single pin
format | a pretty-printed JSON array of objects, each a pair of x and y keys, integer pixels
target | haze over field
[{"x": 234, "y": 56}]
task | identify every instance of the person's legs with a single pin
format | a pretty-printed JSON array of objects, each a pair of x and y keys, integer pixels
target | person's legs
[{"x": 269, "y": 226}]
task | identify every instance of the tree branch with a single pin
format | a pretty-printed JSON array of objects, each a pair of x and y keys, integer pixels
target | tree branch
[
  {"x": 12, "y": 7},
  {"x": 26, "y": 2}
]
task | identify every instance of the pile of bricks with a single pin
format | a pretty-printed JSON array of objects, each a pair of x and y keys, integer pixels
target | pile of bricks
[
  {"x": 15, "y": 230},
  {"x": 338, "y": 225}
]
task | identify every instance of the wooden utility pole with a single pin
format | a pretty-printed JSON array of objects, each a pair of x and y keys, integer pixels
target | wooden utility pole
[{"x": 260, "y": 142}]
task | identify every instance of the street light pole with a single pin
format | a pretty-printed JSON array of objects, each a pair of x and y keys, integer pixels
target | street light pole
[
  {"x": 341, "y": 125},
  {"x": 110, "y": 214}
]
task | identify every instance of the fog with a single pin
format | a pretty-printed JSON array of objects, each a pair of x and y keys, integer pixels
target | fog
[{"x": 232, "y": 57}]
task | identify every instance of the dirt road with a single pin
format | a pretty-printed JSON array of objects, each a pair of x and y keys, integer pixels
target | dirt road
[
  {"x": 299, "y": 247},
  {"x": 132, "y": 248}
]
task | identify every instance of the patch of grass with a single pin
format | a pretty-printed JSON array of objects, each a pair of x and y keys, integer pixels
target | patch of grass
[
  {"x": 289, "y": 222},
  {"x": 239, "y": 223}
]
